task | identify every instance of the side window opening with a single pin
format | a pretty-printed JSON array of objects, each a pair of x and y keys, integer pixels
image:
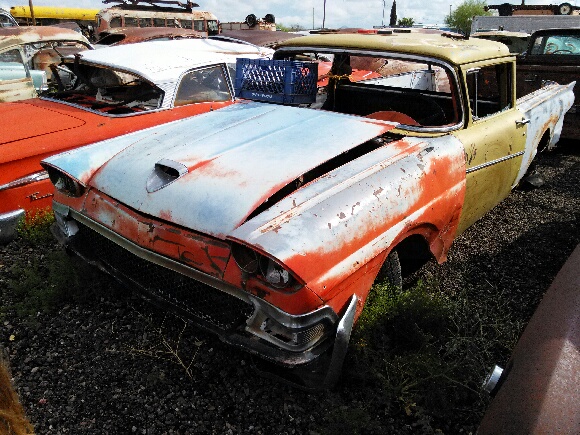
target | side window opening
[
  {"x": 115, "y": 22},
  {"x": 12, "y": 65},
  {"x": 208, "y": 84},
  {"x": 131, "y": 22},
  {"x": 489, "y": 90},
  {"x": 199, "y": 25}
]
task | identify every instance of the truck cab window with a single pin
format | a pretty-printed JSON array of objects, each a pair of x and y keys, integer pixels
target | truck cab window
[{"x": 489, "y": 89}]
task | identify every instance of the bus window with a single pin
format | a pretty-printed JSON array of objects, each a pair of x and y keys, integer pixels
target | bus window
[
  {"x": 158, "y": 22},
  {"x": 186, "y": 24},
  {"x": 115, "y": 22},
  {"x": 144, "y": 22},
  {"x": 131, "y": 22},
  {"x": 199, "y": 25},
  {"x": 212, "y": 27}
]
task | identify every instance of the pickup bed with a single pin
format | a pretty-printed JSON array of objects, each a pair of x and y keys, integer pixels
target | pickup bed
[
  {"x": 552, "y": 55},
  {"x": 267, "y": 223}
]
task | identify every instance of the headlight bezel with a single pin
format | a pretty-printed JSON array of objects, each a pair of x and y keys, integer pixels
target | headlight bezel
[
  {"x": 265, "y": 269},
  {"x": 64, "y": 183}
]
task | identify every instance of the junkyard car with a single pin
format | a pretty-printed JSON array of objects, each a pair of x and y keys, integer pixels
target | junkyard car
[
  {"x": 268, "y": 223},
  {"x": 131, "y": 35},
  {"x": 552, "y": 55},
  {"x": 517, "y": 42},
  {"x": 105, "y": 93},
  {"x": 25, "y": 56}
]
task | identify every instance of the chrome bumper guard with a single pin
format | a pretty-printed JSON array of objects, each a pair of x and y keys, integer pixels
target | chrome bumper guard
[{"x": 9, "y": 224}]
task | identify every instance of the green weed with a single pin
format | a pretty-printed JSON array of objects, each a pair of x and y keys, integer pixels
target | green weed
[{"x": 35, "y": 226}]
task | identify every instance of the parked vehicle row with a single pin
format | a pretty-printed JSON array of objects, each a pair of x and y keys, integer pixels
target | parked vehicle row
[
  {"x": 100, "y": 94},
  {"x": 267, "y": 221}
]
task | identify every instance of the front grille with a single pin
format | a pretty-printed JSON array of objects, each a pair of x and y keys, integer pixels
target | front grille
[{"x": 197, "y": 300}]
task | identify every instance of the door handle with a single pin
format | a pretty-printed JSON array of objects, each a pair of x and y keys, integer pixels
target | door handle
[{"x": 524, "y": 121}]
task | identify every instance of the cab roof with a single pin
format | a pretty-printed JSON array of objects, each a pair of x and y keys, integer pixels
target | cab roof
[
  {"x": 447, "y": 47},
  {"x": 165, "y": 61}
]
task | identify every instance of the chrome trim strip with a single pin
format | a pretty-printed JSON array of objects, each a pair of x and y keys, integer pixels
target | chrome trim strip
[
  {"x": 493, "y": 162},
  {"x": 23, "y": 181}
]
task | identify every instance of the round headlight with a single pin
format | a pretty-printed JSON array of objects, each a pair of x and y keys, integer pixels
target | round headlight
[
  {"x": 246, "y": 258},
  {"x": 65, "y": 184},
  {"x": 275, "y": 274}
]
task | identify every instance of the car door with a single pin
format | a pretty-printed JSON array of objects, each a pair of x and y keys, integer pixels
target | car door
[
  {"x": 15, "y": 80},
  {"x": 494, "y": 137}
]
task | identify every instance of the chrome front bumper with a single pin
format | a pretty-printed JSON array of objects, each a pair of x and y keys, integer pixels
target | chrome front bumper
[{"x": 260, "y": 335}]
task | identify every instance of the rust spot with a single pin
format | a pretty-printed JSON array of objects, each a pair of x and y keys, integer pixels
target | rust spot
[
  {"x": 341, "y": 215},
  {"x": 329, "y": 226},
  {"x": 353, "y": 207}
]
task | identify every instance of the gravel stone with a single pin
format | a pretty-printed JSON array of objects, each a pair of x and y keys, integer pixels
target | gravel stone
[{"x": 97, "y": 366}]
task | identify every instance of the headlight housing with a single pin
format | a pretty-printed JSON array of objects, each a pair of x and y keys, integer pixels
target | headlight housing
[
  {"x": 264, "y": 268},
  {"x": 65, "y": 183}
]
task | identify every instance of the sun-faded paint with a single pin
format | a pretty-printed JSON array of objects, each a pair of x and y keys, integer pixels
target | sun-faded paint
[{"x": 319, "y": 197}]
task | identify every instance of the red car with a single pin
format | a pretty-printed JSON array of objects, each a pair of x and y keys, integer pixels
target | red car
[{"x": 105, "y": 93}]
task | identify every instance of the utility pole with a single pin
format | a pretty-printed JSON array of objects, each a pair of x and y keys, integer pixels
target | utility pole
[
  {"x": 32, "y": 12},
  {"x": 383, "y": 20}
]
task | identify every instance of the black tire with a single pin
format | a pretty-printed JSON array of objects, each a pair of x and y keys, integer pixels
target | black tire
[
  {"x": 251, "y": 20},
  {"x": 390, "y": 271},
  {"x": 565, "y": 9},
  {"x": 270, "y": 19}
]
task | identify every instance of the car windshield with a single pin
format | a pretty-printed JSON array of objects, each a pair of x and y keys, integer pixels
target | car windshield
[
  {"x": 416, "y": 93},
  {"x": 104, "y": 89},
  {"x": 567, "y": 44}
]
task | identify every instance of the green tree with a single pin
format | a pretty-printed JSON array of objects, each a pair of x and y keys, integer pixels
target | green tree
[
  {"x": 406, "y": 22},
  {"x": 462, "y": 16}
]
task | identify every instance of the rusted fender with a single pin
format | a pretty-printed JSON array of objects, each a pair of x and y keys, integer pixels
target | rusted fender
[
  {"x": 332, "y": 227},
  {"x": 545, "y": 110}
]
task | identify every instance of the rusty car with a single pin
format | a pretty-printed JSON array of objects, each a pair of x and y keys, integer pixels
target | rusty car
[
  {"x": 539, "y": 390},
  {"x": 105, "y": 93},
  {"x": 26, "y": 54},
  {"x": 155, "y": 13},
  {"x": 131, "y": 35},
  {"x": 552, "y": 55},
  {"x": 267, "y": 221}
]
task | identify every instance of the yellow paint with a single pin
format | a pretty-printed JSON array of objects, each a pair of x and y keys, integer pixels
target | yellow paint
[
  {"x": 452, "y": 50},
  {"x": 55, "y": 12},
  {"x": 487, "y": 141}
]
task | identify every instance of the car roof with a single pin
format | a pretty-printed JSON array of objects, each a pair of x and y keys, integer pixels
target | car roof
[
  {"x": 12, "y": 36},
  {"x": 165, "y": 61},
  {"x": 447, "y": 47}
]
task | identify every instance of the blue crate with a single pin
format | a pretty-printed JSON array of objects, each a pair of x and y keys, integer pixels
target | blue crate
[{"x": 276, "y": 81}]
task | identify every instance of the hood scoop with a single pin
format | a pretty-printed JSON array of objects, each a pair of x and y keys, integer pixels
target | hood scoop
[{"x": 165, "y": 172}]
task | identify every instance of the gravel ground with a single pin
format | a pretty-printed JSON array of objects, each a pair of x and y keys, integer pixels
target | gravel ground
[{"x": 107, "y": 363}]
